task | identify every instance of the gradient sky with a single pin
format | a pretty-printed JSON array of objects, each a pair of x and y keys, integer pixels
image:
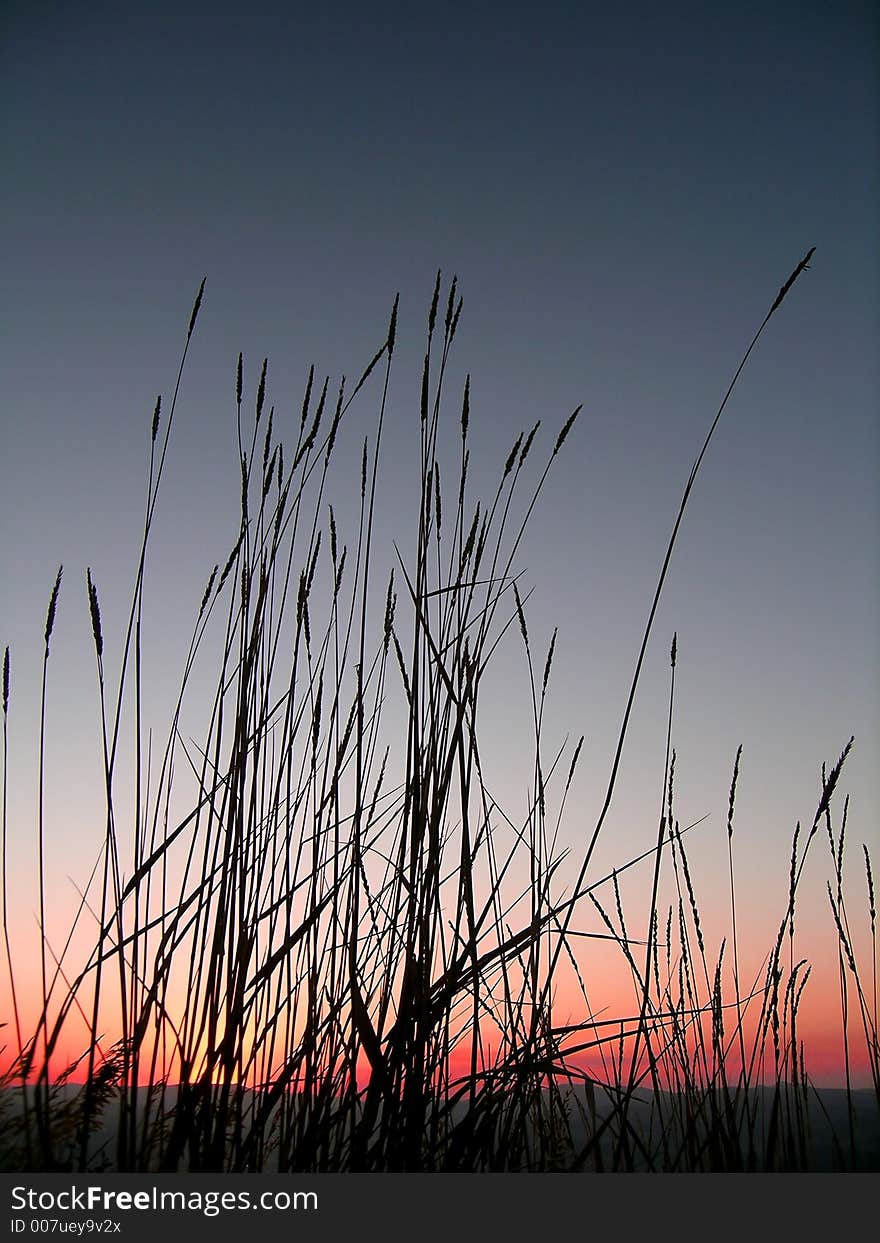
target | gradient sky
[{"x": 621, "y": 191}]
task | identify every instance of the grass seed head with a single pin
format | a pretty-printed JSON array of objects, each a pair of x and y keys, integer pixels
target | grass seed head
[
  {"x": 801, "y": 267},
  {"x": 392, "y": 327},
  {"x": 521, "y": 615},
  {"x": 95, "y": 611},
  {"x": 261, "y": 390},
  {"x": 314, "y": 563},
  {"x": 871, "y": 905},
  {"x": 560, "y": 439},
  {"x": 230, "y": 561},
  {"x": 390, "y": 604},
  {"x": 511, "y": 457},
  {"x": 333, "y": 549},
  {"x": 207, "y": 594},
  {"x": 450, "y": 304},
  {"x": 732, "y": 799},
  {"x": 432, "y": 314},
  {"x": 549, "y": 661},
  {"x": 670, "y": 788},
  {"x": 307, "y": 398},
  {"x": 53, "y": 604},
  {"x": 423, "y": 399},
  {"x": 337, "y": 415},
  {"x": 267, "y": 443},
  {"x": 455, "y": 318},
  {"x": 339, "y": 572},
  {"x": 528, "y": 444},
  {"x": 829, "y": 783},
  {"x": 195, "y": 311}
]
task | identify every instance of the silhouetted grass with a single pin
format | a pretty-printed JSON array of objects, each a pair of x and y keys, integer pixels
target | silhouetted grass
[{"x": 316, "y": 953}]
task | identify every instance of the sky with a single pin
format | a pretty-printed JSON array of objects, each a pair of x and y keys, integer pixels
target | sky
[{"x": 621, "y": 191}]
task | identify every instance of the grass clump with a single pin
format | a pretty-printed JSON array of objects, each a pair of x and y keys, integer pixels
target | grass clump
[{"x": 320, "y": 941}]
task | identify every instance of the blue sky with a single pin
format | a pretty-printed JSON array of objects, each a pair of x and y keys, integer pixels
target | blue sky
[{"x": 621, "y": 191}]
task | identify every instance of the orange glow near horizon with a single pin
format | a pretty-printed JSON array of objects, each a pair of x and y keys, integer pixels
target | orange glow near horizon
[{"x": 612, "y": 998}]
